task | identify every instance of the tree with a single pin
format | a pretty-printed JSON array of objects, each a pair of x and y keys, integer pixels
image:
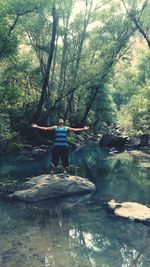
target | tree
[
  {"x": 78, "y": 63},
  {"x": 10, "y": 13},
  {"x": 133, "y": 115},
  {"x": 48, "y": 67}
]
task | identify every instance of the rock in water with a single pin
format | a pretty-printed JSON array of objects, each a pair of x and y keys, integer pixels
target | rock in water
[
  {"x": 49, "y": 186},
  {"x": 113, "y": 140},
  {"x": 131, "y": 210}
]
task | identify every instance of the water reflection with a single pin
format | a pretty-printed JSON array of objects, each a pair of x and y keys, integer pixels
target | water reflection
[
  {"x": 119, "y": 176},
  {"x": 78, "y": 236},
  {"x": 79, "y": 231}
]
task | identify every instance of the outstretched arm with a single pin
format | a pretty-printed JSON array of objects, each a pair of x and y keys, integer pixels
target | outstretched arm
[
  {"x": 75, "y": 130},
  {"x": 42, "y": 128}
]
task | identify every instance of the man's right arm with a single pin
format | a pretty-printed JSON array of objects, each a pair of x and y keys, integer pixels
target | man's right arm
[{"x": 42, "y": 128}]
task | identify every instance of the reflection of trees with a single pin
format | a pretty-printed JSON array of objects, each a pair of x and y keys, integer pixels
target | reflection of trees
[
  {"x": 94, "y": 239},
  {"x": 95, "y": 163},
  {"x": 116, "y": 176},
  {"x": 20, "y": 168},
  {"x": 82, "y": 234},
  {"x": 91, "y": 161},
  {"x": 137, "y": 261},
  {"x": 72, "y": 234}
]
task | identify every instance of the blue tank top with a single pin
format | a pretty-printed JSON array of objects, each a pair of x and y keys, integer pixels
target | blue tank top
[{"x": 60, "y": 136}]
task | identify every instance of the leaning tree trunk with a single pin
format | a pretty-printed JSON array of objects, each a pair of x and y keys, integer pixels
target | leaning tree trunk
[
  {"x": 136, "y": 19},
  {"x": 48, "y": 67},
  {"x": 140, "y": 30}
]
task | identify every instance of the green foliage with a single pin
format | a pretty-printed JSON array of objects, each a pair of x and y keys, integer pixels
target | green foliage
[
  {"x": 93, "y": 74},
  {"x": 10, "y": 14},
  {"x": 8, "y": 45},
  {"x": 130, "y": 85},
  {"x": 71, "y": 138},
  {"x": 9, "y": 140},
  {"x": 5, "y": 128},
  {"x": 125, "y": 81},
  {"x": 134, "y": 117},
  {"x": 17, "y": 80}
]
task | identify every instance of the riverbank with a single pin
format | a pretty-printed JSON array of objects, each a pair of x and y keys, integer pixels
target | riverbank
[{"x": 112, "y": 141}]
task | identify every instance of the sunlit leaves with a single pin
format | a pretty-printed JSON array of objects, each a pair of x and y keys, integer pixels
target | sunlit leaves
[{"x": 134, "y": 117}]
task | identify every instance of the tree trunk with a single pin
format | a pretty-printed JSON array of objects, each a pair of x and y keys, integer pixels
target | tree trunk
[
  {"x": 88, "y": 107},
  {"x": 77, "y": 62},
  {"x": 63, "y": 65},
  {"x": 48, "y": 67},
  {"x": 51, "y": 82}
]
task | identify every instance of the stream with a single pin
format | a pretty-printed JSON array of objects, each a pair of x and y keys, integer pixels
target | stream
[{"x": 76, "y": 231}]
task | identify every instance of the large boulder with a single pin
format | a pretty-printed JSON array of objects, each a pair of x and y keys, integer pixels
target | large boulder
[
  {"x": 130, "y": 210},
  {"x": 133, "y": 143},
  {"x": 138, "y": 142},
  {"x": 49, "y": 186},
  {"x": 144, "y": 140},
  {"x": 112, "y": 140}
]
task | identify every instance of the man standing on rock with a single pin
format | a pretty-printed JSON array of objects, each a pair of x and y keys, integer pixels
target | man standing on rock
[{"x": 60, "y": 149}]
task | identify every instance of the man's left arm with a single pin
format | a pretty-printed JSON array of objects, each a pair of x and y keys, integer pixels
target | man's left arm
[{"x": 75, "y": 130}]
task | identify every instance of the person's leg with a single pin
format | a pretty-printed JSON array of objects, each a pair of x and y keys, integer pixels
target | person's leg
[
  {"x": 65, "y": 159},
  {"x": 55, "y": 158}
]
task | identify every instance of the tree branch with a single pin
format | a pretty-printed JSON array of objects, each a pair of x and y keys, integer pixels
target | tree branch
[
  {"x": 136, "y": 21},
  {"x": 101, "y": 5},
  {"x": 13, "y": 25},
  {"x": 17, "y": 17}
]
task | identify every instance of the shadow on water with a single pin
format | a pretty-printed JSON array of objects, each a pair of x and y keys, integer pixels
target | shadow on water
[{"x": 77, "y": 231}]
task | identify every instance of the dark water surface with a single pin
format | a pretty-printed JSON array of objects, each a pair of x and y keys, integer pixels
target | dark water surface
[{"x": 76, "y": 231}]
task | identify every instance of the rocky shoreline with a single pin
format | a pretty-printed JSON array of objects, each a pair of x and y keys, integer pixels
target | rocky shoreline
[
  {"x": 110, "y": 142},
  {"x": 112, "y": 139}
]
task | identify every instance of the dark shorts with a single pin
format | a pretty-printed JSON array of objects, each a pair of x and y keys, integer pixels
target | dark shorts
[{"x": 60, "y": 153}]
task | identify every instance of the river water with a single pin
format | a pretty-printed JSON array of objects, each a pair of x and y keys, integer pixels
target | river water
[{"x": 76, "y": 231}]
